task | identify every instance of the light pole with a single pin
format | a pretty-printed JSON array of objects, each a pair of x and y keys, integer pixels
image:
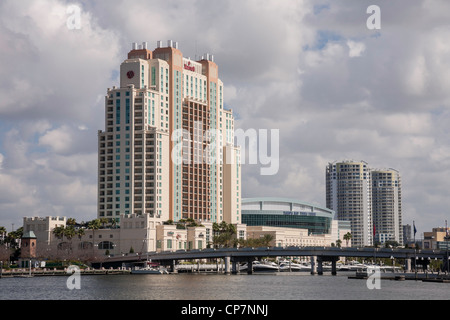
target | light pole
[{"x": 446, "y": 246}]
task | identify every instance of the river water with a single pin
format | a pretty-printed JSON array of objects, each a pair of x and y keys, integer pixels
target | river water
[{"x": 194, "y": 286}]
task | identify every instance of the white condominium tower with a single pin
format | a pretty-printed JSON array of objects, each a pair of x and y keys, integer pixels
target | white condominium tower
[
  {"x": 387, "y": 205},
  {"x": 348, "y": 193},
  {"x": 166, "y": 140},
  {"x": 370, "y": 199}
]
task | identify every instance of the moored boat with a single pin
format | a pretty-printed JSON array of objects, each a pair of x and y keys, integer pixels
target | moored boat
[
  {"x": 149, "y": 268},
  {"x": 266, "y": 266}
]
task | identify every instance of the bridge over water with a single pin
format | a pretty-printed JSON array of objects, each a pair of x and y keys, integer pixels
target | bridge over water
[{"x": 233, "y": 256}]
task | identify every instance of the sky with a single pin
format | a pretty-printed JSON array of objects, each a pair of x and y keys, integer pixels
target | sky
[{"x": 334, "y": 88}]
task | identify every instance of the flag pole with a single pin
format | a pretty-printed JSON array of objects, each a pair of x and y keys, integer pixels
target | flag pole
[
  {"x": 446, "y": 245},
  {"x": 415, "y": 258}
]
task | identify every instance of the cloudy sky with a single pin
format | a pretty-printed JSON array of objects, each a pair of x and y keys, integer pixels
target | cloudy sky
[{"x": 312, "y": 69}]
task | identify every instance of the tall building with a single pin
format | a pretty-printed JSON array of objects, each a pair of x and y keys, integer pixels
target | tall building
[
  {"x": 407, "y": 238},
  {"x": 349, "y": 194},
  {"x": 387, "y": 205},
  {"x": 167, "y": 134},
  {"x": 370, "y": 199}
]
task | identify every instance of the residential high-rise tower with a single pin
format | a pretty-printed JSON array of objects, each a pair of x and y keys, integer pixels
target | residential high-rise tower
[
  {"x": 387, "y": 205},
  {"x": 349, "y": 194},
  {"x": 370, "y": 199}
]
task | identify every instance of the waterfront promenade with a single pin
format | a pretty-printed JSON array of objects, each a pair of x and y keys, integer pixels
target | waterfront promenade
[{"x": 38, "y": 272}]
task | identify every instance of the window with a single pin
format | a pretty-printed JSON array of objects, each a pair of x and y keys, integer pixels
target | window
[{"x": 105, "y": 245}]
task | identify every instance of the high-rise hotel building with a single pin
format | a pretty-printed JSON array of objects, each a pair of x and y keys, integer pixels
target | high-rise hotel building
[
  {"x": 370, "y": 199},
  {"x": 168, "y": 146}
]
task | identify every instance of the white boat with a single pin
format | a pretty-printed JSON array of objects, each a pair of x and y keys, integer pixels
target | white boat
[
  {"x": 266, "y": 266},
  {"x": 258, "y": 266},
  {"x": 149, "y": 269},
  {"x": 293, "y": 267}
]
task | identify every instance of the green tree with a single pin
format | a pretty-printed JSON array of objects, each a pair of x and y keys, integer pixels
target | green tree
[
  {"x": 223, "y": 234},
  {"x": 347, "y": 237},
  {"x": 3, "y": 233},
  {"x": 103, "y": 221},
  {"x": 71, "y": 222},
  {"x": 80, "y": 233},
  {"x": 69, "y": 233},
  {"x": 94, "y": 225},
  {"x": 267, "y": 239}
]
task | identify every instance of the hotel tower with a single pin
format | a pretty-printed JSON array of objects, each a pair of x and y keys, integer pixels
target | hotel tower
[{"x": 168, "y": 146}]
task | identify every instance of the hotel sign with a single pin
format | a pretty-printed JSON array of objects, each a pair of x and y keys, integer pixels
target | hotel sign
[{"x": 189, "y": 67}]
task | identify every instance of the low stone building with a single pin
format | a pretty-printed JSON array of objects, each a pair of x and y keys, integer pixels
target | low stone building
[{"x": 136, "y": 234}]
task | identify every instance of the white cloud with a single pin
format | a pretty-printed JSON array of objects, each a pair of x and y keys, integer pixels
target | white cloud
[
  {"x": 355, "y": 48},
  {"x": 381, "y": 97},
  {"x": 60, "y": 140}
]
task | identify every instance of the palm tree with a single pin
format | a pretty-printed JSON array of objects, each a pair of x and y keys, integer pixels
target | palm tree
[
  {"x": 94, "y": 225},
  {"x": 2, "y": 234},
  {"x": 267, "y": 239},
  {"x": 347, "y": 237},
  {"x": 69, "y": 232},
  {"x": 103, "y": 221},
  {"x": 71, "y": 222},
  {"x": 58, "y": 232},
  {"x": 338, "y": 243},
  {"x": 80, "y": 233}
]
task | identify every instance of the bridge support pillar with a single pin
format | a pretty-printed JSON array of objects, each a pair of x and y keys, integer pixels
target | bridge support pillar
[
  {"x": 173, "y": 266},
  {"x": 408, "y": 265},
  {"x": 249, "y": 265},
  {"x": 227, "y": 265},
  {"x": 234, "y": 269},
  {"x": 319, "y": 266},
  {"x": 313, "y": 265},
  {"x": 333, "y": 267}
]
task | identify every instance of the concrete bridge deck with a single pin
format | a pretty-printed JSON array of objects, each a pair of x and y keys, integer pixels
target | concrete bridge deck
[{"x": 317, "y": 254}]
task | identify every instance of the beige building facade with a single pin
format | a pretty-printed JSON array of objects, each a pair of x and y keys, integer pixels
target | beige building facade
[
  {"x": 166, "y": 135},
  {"x": 436, "y": 239},
  {"x": 294, "y": 237},
  {"x": 138, "y": 233}
]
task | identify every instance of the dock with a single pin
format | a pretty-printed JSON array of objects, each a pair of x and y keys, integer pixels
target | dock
[
  {"x": 24, "y": 273},
  {"x": 425, "y": 277}
]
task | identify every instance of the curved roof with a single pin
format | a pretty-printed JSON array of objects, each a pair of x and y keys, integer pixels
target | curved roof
[{"x": 285, "y": 200}]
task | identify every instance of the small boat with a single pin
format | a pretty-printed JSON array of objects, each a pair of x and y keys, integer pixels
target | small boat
[{"x": 149, "y": 269}]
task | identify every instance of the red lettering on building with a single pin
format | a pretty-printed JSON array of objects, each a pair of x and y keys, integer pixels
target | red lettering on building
[{"x": 189, "y": 67}]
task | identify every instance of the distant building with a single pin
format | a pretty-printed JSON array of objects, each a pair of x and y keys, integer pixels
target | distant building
[
  {"x": 287, "y": 213},
  {"x": 292, "y": 222},
  {"x": 407, "y": 238},
  {"x": 137, "y": 234},
  {"x": 436, "y": 239},
  {"x": 387, "y": 205},
  {"x": 370, "y": 199},
  {"x": 348, "y": 193},
  {"x": 27, "y": 249}
]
